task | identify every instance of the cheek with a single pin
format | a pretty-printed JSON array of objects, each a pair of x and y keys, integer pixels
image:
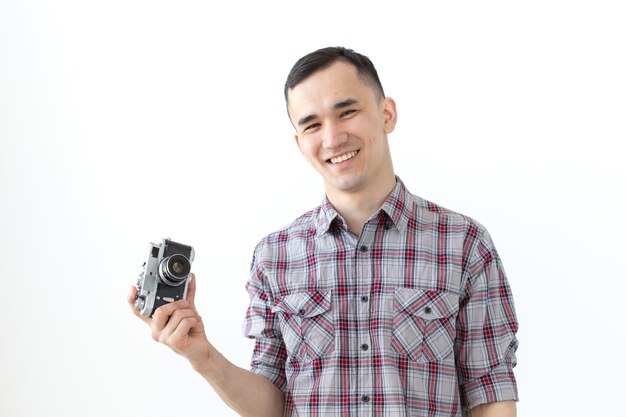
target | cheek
[
  {"x": 307, "y": 150},
  {"x": 365, "y": 128},
  {"x": 309, "y": 146}
]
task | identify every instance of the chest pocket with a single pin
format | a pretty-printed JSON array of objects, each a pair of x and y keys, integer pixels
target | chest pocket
[
  {"x": 424, "y": 324},
  {"x": 307, "y": 324}
]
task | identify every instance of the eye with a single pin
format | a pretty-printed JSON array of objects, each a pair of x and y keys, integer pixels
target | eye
[
  {"x": 347, "y": 113},
  {"x": 311, "y": 127}
]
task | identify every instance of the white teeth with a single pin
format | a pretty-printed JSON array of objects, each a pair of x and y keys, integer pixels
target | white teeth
[{"x": 343, "y": 157}]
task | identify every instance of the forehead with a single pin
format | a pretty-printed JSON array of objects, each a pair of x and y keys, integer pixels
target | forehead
[{"x": 324, "y": 88}]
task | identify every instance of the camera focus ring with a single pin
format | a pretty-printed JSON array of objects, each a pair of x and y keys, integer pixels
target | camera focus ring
[{"x": 174, "y": 269}]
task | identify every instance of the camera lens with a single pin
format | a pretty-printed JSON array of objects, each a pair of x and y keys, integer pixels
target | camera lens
[
  {"x": 174, "y": 269},
  {"x": 177, "y": 267}
]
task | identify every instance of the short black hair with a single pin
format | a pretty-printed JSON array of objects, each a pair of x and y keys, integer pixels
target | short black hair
[{"x": 323, "y": 58}]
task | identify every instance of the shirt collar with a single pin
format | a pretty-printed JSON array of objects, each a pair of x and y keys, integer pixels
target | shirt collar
[
  {"x": 326, "y": 217},
  {"x": 396, "y": 206}
]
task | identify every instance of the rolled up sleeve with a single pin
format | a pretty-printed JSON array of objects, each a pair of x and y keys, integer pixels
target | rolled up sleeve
[
  {"x": 486, "y": 328},
  {"x": 261, "y": 324}
]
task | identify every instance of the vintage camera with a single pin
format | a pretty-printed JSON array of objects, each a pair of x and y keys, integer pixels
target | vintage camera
[{"x": 164, "y": 277}]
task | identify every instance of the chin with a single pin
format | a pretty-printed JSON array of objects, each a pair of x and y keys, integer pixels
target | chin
[{"x": 348, "y": 183}]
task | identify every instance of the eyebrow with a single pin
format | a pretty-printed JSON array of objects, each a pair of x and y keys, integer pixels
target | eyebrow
[{"x": 339, "y": 105}]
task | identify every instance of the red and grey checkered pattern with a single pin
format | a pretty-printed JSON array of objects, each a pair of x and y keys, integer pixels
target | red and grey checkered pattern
[{"x": 413, "y": 318}]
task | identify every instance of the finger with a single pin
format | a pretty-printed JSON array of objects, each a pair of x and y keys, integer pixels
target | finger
[
  {"x": 163, "y": 335},
  {"x": 177, "y": 317},
  {"x": 179, "y": 338},
  {"x": 162, "y": 314},
  {"x": 130, "y": 298}
]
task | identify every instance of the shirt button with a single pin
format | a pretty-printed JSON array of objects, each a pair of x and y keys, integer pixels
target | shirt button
[
  {"x": 364, "y": 346},
  {"x": 364, "y": 298},
  {"x": 363, "y": 248},
  {"x": 365, "y": 398},
  {"x": 301, "y": 312},
  {"x": 428, "y": 310}
]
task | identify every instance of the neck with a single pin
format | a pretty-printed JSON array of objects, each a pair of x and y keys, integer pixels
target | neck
[{"x": 356, "y": 207}]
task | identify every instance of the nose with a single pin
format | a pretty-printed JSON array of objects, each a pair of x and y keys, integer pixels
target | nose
[{"x": 334, "y": 136}]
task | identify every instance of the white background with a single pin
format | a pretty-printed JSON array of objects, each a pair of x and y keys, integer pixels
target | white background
[{"x": 122, "y": 122}]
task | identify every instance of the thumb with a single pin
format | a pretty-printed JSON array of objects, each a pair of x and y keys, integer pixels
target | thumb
[{"x": 191, "y": 290}]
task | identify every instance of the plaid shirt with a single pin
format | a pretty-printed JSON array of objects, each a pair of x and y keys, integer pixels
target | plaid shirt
[{"x": 413, "y": 318}]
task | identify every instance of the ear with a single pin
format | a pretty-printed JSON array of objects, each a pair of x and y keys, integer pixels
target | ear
[
  {"x": 297, "y": 138},
  {"x": 297, "y": 141},
  {"x": 390, "y": 114}
]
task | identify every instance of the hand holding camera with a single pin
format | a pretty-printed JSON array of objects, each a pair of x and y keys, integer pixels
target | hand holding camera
[
  {"x": 164, "y": 298},
  {"x": 167, "y": 304}
]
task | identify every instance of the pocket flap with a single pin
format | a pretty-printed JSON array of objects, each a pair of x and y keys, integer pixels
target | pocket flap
[
  {"x": 427, "y": 304},
  {"x": 304, "y": 304}
]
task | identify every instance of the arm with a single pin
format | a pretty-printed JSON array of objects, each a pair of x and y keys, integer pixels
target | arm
[
  {"x": 498, "y": 409},
  {"x": 179, "y": 326},
  {"x": 486, "y": 328},
  {"x": 243, "y": 391}
]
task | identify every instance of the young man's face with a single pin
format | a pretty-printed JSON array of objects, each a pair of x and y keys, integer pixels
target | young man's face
[{"x": 341, "y": 128}]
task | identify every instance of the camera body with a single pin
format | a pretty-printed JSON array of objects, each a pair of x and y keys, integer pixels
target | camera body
[{"x": 164, "y": 277}]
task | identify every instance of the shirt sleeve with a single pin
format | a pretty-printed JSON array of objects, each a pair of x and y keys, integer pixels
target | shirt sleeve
[
  {"x": 261, "y": 324},
  {"x": 486, "y": 328}
]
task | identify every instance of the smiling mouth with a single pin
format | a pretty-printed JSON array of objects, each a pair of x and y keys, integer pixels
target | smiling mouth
[{"x": 342, "y": 158}]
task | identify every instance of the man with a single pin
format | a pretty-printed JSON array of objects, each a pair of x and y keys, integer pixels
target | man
[{"x": 377, "y": 302}]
